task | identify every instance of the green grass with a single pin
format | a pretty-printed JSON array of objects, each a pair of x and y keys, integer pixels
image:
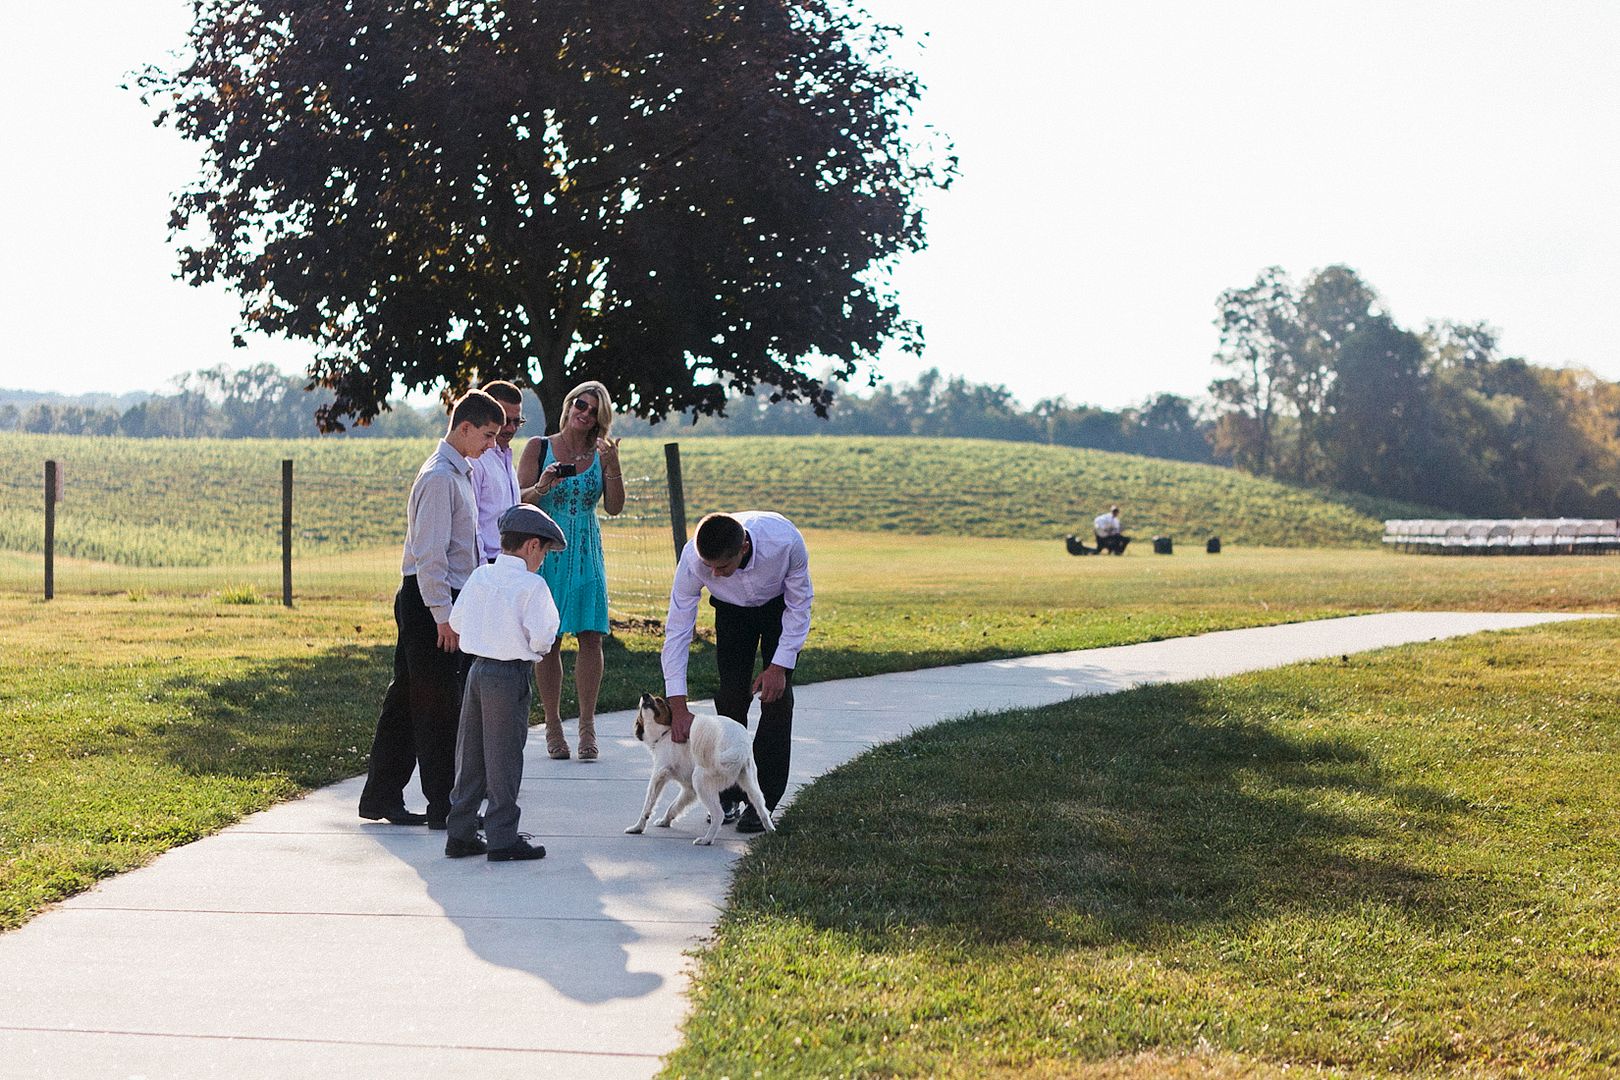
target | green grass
[
  {"x": 203, "y": 502},
  {"x": 1403, "y": 863},
  {"x": 174, "y": 715}
]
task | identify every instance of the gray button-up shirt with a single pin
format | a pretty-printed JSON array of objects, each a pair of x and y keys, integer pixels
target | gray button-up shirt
[{"x": 441, "y": 529}]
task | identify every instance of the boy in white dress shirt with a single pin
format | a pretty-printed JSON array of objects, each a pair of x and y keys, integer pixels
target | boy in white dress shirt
[
  {"x": 507, "y": 620},
  {"x": 757, "y": 571}
]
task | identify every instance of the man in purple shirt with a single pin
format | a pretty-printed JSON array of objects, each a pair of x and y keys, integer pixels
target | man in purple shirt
[
  {"x": 757, "y": 571},
  {"x": 495, "y": 481}
]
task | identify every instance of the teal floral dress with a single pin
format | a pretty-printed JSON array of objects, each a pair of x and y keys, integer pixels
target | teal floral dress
[{"x": 577, "y": 576}]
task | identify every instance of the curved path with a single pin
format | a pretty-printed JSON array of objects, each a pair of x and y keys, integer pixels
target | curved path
[{"x": 303, "y": 942}]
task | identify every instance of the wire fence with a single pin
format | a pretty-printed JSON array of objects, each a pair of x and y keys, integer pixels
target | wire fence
[{"x": 200, "y": 517}]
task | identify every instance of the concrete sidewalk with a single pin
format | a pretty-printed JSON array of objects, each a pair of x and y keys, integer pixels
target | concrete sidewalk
[{"x": 304, "y": 942}]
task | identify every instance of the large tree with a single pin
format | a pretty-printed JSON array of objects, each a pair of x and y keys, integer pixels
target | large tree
[
  {"x": 680, "y": 197},
  {"x": 1260, "y": 339}
]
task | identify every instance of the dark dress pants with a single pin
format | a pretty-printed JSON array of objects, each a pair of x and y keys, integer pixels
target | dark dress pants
[
  {"x": 420, "y": 711},
  {"x": 742, "y": 634}
]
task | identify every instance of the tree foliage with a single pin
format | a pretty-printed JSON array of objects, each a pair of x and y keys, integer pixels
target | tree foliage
[
  {"x": 217, "y": 402},
  {"x": 641, "y": 191},
  {"x": 936, "y": 405},
  {"x": 1328, "y": 389}
]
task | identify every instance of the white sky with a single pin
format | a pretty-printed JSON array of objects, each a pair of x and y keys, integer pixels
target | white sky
[{"x": 1122, "y": 164}]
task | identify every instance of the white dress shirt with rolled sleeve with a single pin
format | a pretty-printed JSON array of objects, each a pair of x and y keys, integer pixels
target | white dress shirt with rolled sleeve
[{"x": 778, "y": 565}]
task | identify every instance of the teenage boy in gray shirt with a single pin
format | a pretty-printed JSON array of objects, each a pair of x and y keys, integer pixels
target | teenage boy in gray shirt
[
  {"x": 507, "y": 620},
  {"x": 417, "y": 725}
]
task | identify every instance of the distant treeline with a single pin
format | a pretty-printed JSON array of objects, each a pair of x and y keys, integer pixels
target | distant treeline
[
  {"x": 261, "y": 402},
  {"x": 252, "y": 403},
  {"x": 1321, "y": 388},
  {"x": 1165, "y": 426},
  {"x": 1324, "y": 388}
]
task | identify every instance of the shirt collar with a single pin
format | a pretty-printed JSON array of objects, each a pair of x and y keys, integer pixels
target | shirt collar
[{"x": 453, "y": 456}]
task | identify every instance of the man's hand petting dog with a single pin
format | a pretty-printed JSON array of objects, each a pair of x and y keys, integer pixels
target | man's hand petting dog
[
  {"x": 680, "y": 718},
  {"x": 719, "y": 754}
]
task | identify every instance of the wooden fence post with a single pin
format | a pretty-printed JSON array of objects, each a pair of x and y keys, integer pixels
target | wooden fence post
[
  {"x": 677, "y": 497},
  {"x": 50, "y": 529},
  {"x": 286, "y": 532}
]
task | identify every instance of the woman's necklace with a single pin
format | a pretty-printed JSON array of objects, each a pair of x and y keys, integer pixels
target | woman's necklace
[{"x": 559, "y": 448}]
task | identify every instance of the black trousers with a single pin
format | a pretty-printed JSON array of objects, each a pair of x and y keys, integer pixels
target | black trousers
[
  {"x": 420, "y": 712},
  {"x": 740, "y": 635}
]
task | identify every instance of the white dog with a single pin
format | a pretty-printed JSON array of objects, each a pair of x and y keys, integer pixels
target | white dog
[{"x": 718, "y": 753}]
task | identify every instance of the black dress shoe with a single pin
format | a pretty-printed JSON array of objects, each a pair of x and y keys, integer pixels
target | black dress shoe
[
  {"x": 521, "y": 851},
  {"x": 460, "y": 849},
  {"x": 749, "y": 822},
  {"x": 401, "y": 816}
]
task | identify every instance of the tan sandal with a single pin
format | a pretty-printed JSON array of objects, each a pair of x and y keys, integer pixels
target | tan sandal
[
  {"x": 556, "y": 745},
  {"x": 587, "y": 739}
]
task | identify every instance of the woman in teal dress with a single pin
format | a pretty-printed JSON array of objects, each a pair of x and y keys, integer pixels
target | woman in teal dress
[{"x": 565, "y": 475}]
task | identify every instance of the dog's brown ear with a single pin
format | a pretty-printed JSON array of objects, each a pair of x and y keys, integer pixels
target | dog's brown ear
[{"x": 661, "y": 711}]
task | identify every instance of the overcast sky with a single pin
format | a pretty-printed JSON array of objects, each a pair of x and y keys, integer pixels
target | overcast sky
[{"x": 1122, "y": 164}]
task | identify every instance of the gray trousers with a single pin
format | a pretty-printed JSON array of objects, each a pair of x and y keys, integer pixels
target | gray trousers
[{"x": 489, "y": 750}]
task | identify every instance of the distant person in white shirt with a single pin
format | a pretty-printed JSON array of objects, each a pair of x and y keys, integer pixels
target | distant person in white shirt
[
  {"x": 495, "y": 481},
  {"x": 1110, "y": 535},
  {"x": 507, "y": 620},
  {"x": 757, "y": 571}
]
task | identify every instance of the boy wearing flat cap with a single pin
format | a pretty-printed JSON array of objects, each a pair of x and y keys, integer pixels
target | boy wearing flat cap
[{"x": 507, "y": 620}]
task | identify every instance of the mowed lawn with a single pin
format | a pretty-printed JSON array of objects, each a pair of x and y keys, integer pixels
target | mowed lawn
[
  {"x": 1402, "y": 863},
  {"x": 135, "y": 724}
]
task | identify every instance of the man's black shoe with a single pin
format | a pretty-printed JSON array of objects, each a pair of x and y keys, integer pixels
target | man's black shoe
[
  {"x": 522, "y": 850},
  {"x": 401, "y": 816},
  {"x": 749, "y": 822},
  {"x": 460, "y": 849},
  {"x": 732, "y": 812}
]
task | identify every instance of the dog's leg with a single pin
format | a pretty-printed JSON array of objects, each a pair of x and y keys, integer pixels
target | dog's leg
[
  {"x": 756, "y": 798},
  {"x": 708, "y": 784},
  {"x": 686, "y": 797},
  {"x": 655, "y": 787}
]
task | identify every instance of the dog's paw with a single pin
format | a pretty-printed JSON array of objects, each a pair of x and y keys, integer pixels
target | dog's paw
[
  {"x": 702, "y": 841},
  {"x": 634, "y": 829}
]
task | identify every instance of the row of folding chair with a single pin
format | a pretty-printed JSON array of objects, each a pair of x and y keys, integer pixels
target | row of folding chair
[{"x": 1522, "y": 536}]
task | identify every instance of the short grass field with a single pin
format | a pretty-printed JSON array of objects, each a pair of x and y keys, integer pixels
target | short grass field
[
  {"x": 1402, "y": 863},
  {"x": 138, "y": 722}
]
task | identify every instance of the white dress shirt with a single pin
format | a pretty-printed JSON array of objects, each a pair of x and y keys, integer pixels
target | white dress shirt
[
  {"x": 1106, "y": 525},
  {"x": 495, "y": 484},
  {"x": 778, "y": 565},
  {"x": 505, "y": 613},
  {"x": 441, "y": 529}
]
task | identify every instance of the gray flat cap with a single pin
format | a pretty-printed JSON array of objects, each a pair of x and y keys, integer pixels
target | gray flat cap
[{"x": 527, "y": 520}]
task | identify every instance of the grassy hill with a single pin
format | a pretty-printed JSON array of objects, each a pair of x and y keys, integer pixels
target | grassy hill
[{"x": 208, "y": 502}]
